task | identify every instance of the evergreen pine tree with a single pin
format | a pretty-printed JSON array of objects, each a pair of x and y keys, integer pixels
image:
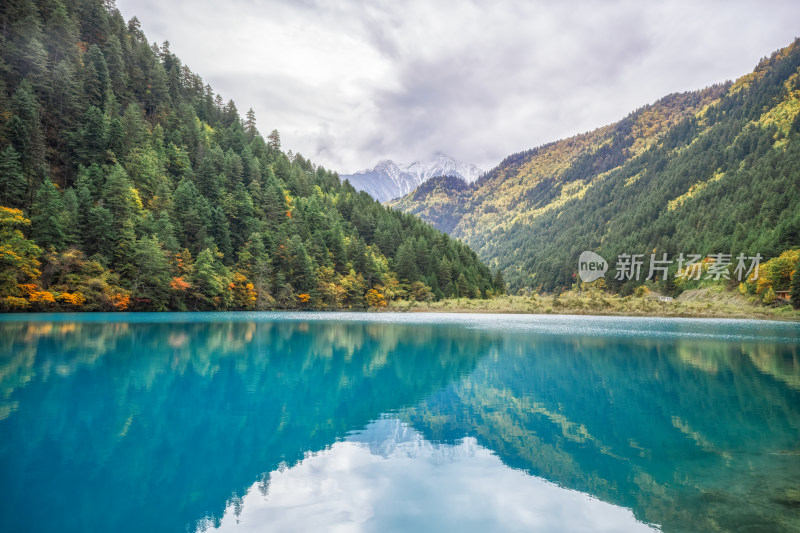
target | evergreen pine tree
[
  {"x": 255, "y": 263},
  {"x": 13, "y": 184},
  {"x": 151, "y": 279},
  {"x": 97, "y": 237},
  {"x": 70, "y": 217},
  {"x": 207, "y": 180},
  {"x": 250, "y": 124},
  {"x": 192, "y": 216},
  {"x": 91, "y": 140},
  {"x": 220, "y": 231},
  {"x": 95, "y": 77},
  {"x": 499, "y": 282},
  {"x": 117, "y": 74},
  {"x": 48, "y": 229},
  {"x": 120, "y": 200},
  {"x": 62, "y": 35},
  {"x": 25, "y": 128},
  {"x": 406, "y": 261},
  {"x": 207, "y": 280}
]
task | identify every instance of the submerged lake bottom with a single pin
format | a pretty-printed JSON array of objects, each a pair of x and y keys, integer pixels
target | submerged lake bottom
[{"x": 381, "y": 422}]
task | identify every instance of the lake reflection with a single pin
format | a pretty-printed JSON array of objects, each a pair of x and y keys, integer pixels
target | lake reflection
[
  {"x": 388, "y": 478},
  {"x": 364, "y": 422}
]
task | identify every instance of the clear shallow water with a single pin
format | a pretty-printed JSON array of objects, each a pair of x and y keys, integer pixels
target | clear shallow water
[{"x": 383, "y": 422}]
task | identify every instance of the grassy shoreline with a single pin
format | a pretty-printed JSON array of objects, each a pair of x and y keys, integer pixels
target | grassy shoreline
[
  {"x": 693, "y": 304},
  {"x": 714, "y": 302}
]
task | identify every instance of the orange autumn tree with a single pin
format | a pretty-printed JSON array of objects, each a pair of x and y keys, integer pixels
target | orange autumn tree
[
  {"x": 119, "y": 301},
  {"x": 36, "y": 295},
  {"x": 179, "y": 284}
]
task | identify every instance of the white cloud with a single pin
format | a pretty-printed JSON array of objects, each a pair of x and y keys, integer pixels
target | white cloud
[
  {"x": 348, "y": 84},
  {"x": 388, "y": 478}
]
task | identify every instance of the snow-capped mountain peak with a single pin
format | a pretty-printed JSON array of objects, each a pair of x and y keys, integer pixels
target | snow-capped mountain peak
[
  {"x": 389, "y": 180},
  {"x": 387, "y": 165}
]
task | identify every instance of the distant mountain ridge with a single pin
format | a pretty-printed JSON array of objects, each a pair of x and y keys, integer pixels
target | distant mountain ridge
[
  {"x": 388, "y": 180},
  {"x": 702, "y": 172}
]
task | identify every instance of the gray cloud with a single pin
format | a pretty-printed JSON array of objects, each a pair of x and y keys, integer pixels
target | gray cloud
[{"x": 349, "y": 84}]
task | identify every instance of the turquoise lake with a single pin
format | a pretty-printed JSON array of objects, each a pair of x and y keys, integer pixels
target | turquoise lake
[{"x": 366, "y": 422}]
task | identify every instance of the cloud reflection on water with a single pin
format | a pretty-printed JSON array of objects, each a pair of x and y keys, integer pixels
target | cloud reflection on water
[{"x": 387, "y": 477}]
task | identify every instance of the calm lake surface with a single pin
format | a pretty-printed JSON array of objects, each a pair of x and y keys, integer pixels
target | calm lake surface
[{"x": 397, "y": 422}]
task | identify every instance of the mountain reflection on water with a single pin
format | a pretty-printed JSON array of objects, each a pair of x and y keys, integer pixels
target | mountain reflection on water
[
  {"x": 387, "y": 477},
  {"x": 177, "y": 422}
]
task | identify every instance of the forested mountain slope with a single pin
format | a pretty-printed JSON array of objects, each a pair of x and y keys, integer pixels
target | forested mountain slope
[
  {"x": 127, "y": 183},
  {"x": 712, "y": 171}
]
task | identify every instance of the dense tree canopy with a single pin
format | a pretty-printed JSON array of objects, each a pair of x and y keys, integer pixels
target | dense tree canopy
[{"x": 127, "y": 183}]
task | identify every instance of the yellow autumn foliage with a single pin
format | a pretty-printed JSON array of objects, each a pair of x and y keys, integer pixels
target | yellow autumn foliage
[
  {"x": 375, "y": 298},
  {"x": 242, "y": 291},
  {"x": 75, "y": 298},
  {"x": 15, "y": 304},
  {"x": 776, "y": 273},
  {"x": 43, "y": 297},
  {"x": 694, "y": 189}
]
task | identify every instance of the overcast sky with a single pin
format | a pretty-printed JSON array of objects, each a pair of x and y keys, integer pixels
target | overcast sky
[{"x": 349, "y": 83}]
